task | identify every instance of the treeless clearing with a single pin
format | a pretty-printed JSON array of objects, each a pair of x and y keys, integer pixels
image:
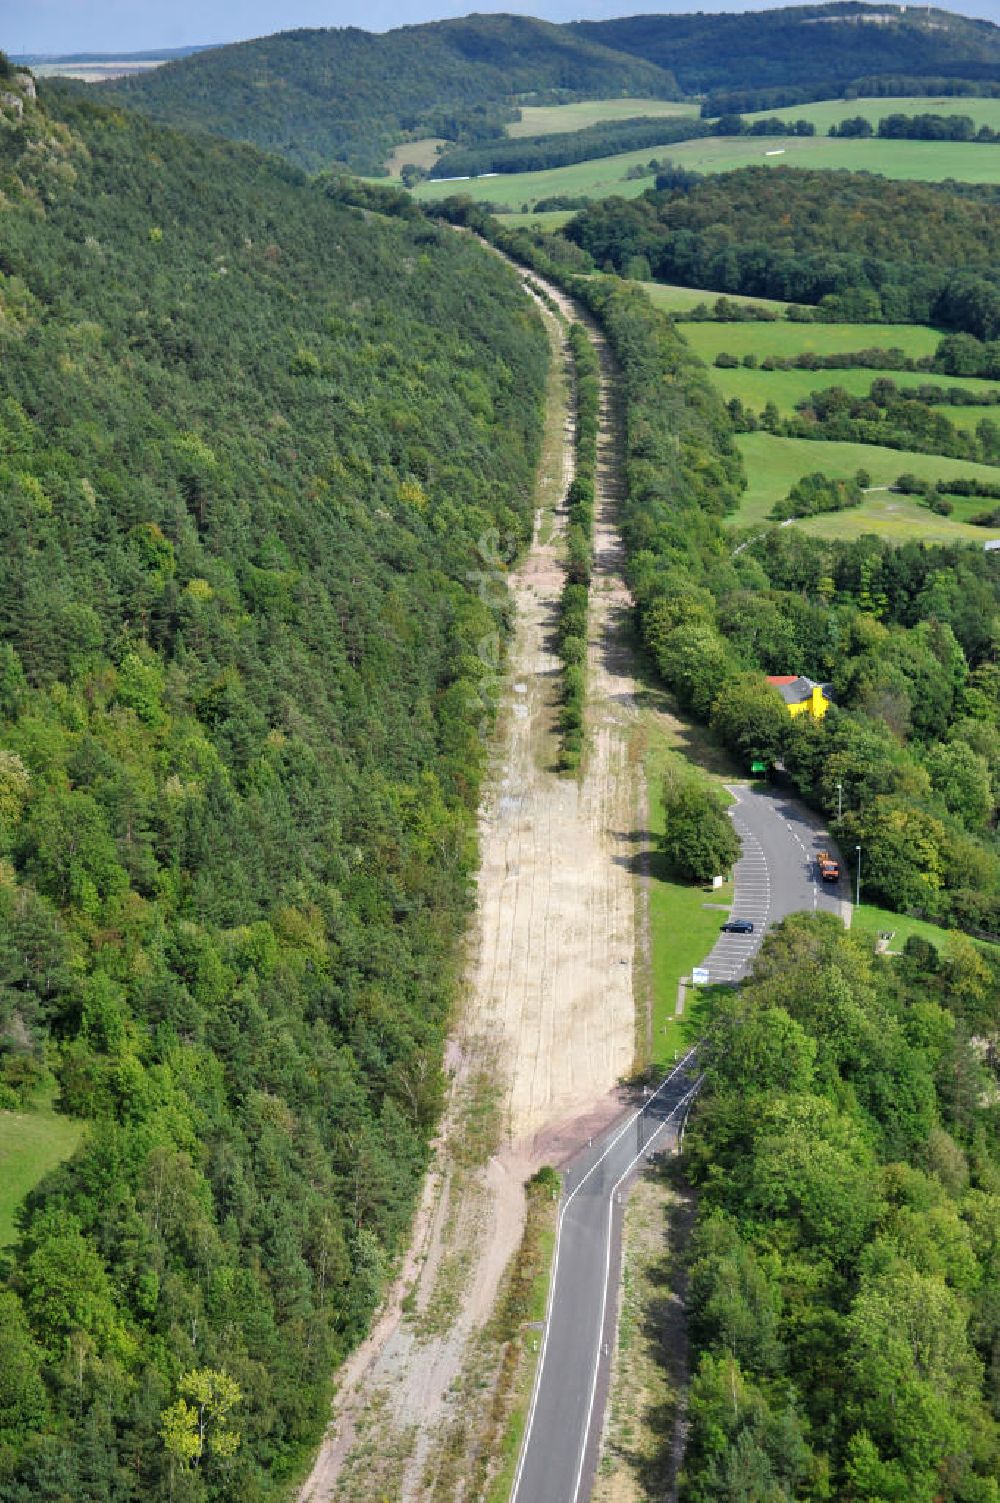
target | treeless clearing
[
  {"x": 546, "y": 1034},
  {"x": 423, "y": 153}
]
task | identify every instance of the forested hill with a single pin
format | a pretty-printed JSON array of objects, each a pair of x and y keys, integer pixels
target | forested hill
[
  {"x": 805, "y": 45},
  {"x": 350, "y": 95},
  {"x": 256, "y": 450}
]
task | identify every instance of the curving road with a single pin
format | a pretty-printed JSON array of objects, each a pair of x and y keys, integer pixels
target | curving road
[{"x": 775, "y": 876}]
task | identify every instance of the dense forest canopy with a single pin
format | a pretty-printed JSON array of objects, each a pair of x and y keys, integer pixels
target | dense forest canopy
[
  {"x": 806, "y": 44},
  {"x": 257, "y": 450},
  {"x": 845, "y": 1265},
  {"x": 350, "y": 95}
]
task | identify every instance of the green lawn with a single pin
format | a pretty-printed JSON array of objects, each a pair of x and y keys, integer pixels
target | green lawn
[
  {"x": 869, "y": 920},
  {"x": 31, "y": 1143},
  {"x": 550, "y": 120},
  {"x": 829, "y": 112},
  {"x": 968, "y": 418},
  {"x": 774, "y": 464},
  {"x": 787, "y": 339}
]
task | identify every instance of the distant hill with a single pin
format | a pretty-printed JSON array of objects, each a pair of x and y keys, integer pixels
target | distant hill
[
  {"x": 804, "y": 45},
  {"x": 318, "y": 96}
]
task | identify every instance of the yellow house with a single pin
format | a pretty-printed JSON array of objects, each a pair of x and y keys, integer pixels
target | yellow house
[{"x": 802, "y": 695}]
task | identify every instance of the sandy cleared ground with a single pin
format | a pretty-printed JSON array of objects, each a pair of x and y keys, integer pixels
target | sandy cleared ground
[
  {"x": 553, "y": 981},
  {"x": 547, "y": 1032}
]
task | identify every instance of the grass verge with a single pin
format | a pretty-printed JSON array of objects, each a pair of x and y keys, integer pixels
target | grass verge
[
  {"x": 871, "y": 922},
  {"x": 682, "y": 930},
  {"x": 517, "y": 1327},
  {"x": 648, "y": 1379}
]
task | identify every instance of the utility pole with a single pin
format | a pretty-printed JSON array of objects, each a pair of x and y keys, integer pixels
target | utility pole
[{"x": 857, "y": 850}]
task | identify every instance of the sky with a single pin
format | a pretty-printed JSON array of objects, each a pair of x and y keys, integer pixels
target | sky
[{"x": 55, "y": 26}]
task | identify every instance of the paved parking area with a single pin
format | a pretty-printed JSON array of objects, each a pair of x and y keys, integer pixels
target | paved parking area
[{"x": 776, "y": 875}]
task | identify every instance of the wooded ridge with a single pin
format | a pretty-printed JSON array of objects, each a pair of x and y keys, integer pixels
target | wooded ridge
[{"x": 259, "y": 452}]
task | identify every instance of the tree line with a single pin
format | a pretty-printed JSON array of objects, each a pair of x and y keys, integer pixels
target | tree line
[
  {"x": 562, "y": 149},
  {"x": 573, "y": 628},
  {"x": 926, "y": 127}
]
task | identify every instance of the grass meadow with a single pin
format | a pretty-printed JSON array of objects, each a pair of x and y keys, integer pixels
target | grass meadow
[
  {"x": 774, "y": 465},
  {"x": 551, "y": 120},
  {"x": 926, "y": 161},
  {"x": 31, "y": 1144},
  {"x": 680, "y": 300},
  {"x": 785, "y": 340},
  {"x": 832, "y": 111},
  {"x": 786, "y": 389},
  {"x": 422, "y": 153}
]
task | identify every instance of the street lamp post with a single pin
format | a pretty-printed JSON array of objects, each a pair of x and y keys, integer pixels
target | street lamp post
[
  {"x": 857, "y": 851},
  {"x": 840, "y": 800}
]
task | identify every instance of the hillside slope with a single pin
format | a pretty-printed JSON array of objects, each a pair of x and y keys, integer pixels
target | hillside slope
[
  {"x": 256, "y": 446},
  {"x": 804, "y": 44},
  {"x": 350, "y": 95}
]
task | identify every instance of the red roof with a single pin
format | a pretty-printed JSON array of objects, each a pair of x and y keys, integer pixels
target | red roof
[{"x": 782, "y": 678}]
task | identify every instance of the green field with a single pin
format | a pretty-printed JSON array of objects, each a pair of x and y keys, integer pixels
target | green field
[
  {"x": 550, "y": 219},
  {"x": 968, "y": 418},
  {"x": 556, "y": 119},
  {"x": 787, "y": 388},
  {"x": 774, "y": 464},
  {"x": 831, "y": 111},
  {"x": 928, "y": 161},
  {"x": 680, "y": 300},
  {"x": 423, "y": 153},
  {"x": 784, "y": 339},
  {"x": 31, "y": 1143},
  {"x": 599, "y": 179}
]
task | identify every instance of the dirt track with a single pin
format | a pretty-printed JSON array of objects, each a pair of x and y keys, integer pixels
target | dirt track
[{"x": 550, "y": 1019}]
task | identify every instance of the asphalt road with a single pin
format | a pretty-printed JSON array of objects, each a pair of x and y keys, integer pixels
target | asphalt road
[
  {"x": 563, "y": 1429},
  {"x": 776, "y": 875}
]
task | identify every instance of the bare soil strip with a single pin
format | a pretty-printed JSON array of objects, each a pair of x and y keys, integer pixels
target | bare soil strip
[{"x": 547, "y": 1032}]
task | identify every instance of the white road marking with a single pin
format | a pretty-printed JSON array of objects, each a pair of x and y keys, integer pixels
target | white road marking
[
  {"x": 555, "y": 1267},
  {"x": 607, "y": 1277}
]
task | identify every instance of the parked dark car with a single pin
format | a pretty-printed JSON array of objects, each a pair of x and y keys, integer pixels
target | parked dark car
[{"x": 737, "y": 926}]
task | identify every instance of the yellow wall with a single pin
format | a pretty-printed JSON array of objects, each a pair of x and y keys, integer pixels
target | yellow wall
[{"x": 816, "y": 705}]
